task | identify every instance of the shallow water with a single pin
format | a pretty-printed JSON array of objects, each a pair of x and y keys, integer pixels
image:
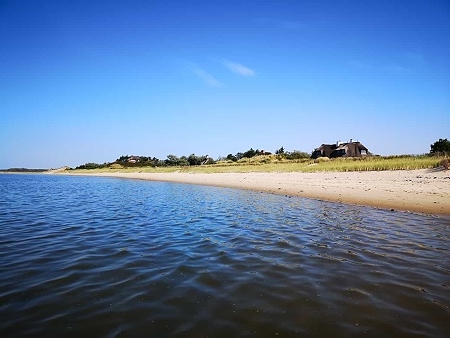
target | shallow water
[{"x": 113, "y": 257}]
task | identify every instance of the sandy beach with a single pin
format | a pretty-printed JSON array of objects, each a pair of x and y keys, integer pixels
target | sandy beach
[{"x": 421, "y": 191}]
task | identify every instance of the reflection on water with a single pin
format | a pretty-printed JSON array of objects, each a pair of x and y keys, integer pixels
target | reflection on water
[{"x": 110, "y": 257}]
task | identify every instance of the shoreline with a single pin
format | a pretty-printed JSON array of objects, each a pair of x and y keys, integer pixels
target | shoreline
[{"x": 419, "y": 191}]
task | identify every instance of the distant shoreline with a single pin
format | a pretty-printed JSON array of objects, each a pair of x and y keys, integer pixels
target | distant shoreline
[
  {"x": 23, "y": 171},
  {"x": 420, "y": 191}
]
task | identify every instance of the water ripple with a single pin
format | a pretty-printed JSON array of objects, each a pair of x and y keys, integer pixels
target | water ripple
[{"x": 109, "y": 257}]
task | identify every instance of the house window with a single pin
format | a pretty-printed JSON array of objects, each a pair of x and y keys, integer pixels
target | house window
[{"x": 363, "y": 152}]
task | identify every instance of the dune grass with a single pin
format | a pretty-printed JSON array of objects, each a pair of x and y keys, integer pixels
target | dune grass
[
  {"x": 272, "y": 163},
  {"x": 338, "y": 164}
]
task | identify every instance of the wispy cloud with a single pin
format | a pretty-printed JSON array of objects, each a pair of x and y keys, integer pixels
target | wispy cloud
[
  {"x": 238, "y": 68},
  {"x": 206, "y": 77},
  {"x": 209, "y": 79}
]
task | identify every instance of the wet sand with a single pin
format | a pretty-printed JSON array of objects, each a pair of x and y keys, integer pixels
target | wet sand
[{"x": 421, "y": 191}]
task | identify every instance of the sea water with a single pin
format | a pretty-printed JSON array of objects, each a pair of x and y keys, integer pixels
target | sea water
[{"x": 114, "y": 257}]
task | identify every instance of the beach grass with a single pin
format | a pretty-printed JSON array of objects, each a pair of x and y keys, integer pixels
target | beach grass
[{"x": 273, "y": 163}]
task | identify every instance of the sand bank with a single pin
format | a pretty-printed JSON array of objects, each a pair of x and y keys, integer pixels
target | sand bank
[{"x": 422, "y": 191}]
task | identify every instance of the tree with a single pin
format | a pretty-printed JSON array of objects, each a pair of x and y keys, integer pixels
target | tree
[
  {"x": 197, "y": 160},
  {"x": 280, "y": 151},
  {"x": 183, "y": 161},
  {"x": 249, "y": 153},
  {"x": 441, "y": 146},
  {"x": 231, "y": 157},
  {"x": 193, "y": 160},
  {"x": 172, "y": 160}
]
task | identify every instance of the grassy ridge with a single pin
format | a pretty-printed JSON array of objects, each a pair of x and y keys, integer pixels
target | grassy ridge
[
  {"x": 338, "y": 164},
  {"x": 273, "y": 163}
]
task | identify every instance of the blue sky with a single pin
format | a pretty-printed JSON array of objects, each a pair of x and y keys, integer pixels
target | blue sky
[{"x": 89, "y": 81}]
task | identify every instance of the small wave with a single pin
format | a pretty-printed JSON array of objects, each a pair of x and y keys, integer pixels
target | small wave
[{"x": 106, "y": 257}]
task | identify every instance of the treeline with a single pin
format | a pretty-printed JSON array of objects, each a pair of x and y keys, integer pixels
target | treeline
[
  {"x": 191, "y": 160},
  {"x": 23, "y": 170},
  {"x": 148, "y": 161}
]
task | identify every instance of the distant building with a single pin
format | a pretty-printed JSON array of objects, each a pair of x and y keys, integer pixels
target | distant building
[
  {"x": 341, "y": 149},
  {"x": 134, "y": 159}
]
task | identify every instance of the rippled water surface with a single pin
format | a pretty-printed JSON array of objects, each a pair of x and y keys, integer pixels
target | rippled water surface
[{"x": 112, "y": 257}]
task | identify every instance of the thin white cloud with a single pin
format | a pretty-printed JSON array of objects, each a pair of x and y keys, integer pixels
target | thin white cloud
[
  {"x": 205, "y": 76},
  {"x": 238, "y": 68}
]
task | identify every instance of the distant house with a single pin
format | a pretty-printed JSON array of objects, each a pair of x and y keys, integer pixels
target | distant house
[
  {"x": 341, "y": 149},
  {"x": 134, "y": 159}
]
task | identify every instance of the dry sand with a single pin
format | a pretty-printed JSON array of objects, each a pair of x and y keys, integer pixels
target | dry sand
[{"x": 423, "y": 191}]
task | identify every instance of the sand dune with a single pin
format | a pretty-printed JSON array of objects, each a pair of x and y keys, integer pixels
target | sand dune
[{"x": 423, "y": 191}]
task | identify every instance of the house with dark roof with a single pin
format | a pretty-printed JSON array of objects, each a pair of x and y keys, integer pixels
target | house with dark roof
[
  {"x": 341, "y": 149},
  {"x": 134, "y": 159}
]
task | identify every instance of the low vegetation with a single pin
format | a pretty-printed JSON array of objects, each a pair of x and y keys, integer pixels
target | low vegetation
[
  {"x": 272, "y": 163},
  {"x": 23, "y": 170},
  {"x": 282, "y": 161}
]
